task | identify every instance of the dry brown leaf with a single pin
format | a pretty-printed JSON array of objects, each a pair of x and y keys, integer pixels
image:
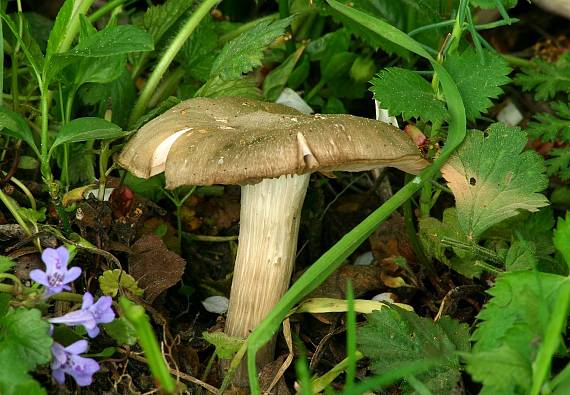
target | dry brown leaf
[{"x": 154, "y": 266}]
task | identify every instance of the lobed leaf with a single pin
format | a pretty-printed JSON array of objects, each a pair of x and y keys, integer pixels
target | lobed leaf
[
  {"x": 545, "y": 78},
  {"x": 404, "y": 92},
  {"x": 492, "y": 179}
]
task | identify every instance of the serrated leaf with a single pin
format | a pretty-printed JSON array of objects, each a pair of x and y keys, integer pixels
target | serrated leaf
[
  {"x": 226, "y": 346},
  {"x": 502, "y": 369},
  {"x": 394, "y": 337},
  {"x": 87, "y": 129},
  {"x": 159, "y": 18},
  {"x": 6, "y": 263},
  {"x": 545, "y": 78},
  {"x": 492, "y": 179},
  {"x": 114, "y": 40},
  {"x": 111, "y": 280},
  {"x": 521, "y": 256},
  {"x": 244, "y": 53},
  {"x": 122, "y": 331},
  {"x": 562, "y": 237},
  {"x": 552, "y": 127},
  {"x": 200, "y": 50},
  {"x": 24, "y": 337},
  {"x": 14, "y": 125},
  {"x": 512, "y": 322},
  {"x": 478, "y": 80},
  {"x": 404, "y": 92}
]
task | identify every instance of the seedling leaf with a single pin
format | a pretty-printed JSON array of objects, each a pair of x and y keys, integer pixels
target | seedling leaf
[
  {"x": 226, "y": 346},
  {"x": 87, "y": 129},
  {"x": 12, "y": 124},
  {"x": 492, "y": 179},
  {"x": 111, "y": 280},
  {"x": 244, "y": 53},
  {"x": 406, "y": 93}
]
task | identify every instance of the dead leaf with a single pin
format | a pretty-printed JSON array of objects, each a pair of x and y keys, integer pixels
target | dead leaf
[{"x": 154, "y": 266}]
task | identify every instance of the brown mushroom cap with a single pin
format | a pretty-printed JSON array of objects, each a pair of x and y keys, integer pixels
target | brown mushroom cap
[{"x": 239, "y": 141}]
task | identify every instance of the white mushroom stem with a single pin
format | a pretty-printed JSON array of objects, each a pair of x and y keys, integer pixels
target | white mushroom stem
[{"x": 269, "y": 225}]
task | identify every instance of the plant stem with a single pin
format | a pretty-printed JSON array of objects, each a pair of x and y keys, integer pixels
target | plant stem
[
  {"x": 12, "y": 207},
  {"x": 105, "y": 9},
  {"x": 66, "y": 296},
  {"x": 168, "y": 57}
]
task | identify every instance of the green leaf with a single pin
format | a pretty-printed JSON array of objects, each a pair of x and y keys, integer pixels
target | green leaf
[
  {"x": 200, "y": 50},
  {"x": 244, "y": 53},
  {"x": 277, "y": 79},
  {"x": 6, "y": 263},
  {"x": 226, "y": 346},
  {"x": 24, "y": 337},
  {"x": 111, "y": 280},
  {"x": 562, "y": 237},
  {"x": 122, "y": 331},
  {"x": 338, "y": 65},
  {"x": 404, "y": 92},
  {"x": 159, "y": 18},
  {"x": 216, "y": 87},
  {"x": 87, "y": 129},
  {"x": 558, "y": 163},
  {"x": 14, "y": 125},
  {"x": 521, "y": 256},
  {"x": 492, "y": 180},
  {"x": 511, "y": 327},
  {"x": 60, "y": 28},
  {"x": 545, "y": 78},
  {"x": 493, "y": 3},
  {"x": 552, "y": 127},
  {"x": 503, "y": 370},
  {"x": 477, "y": 79},
  {"x": 114, "y": 40},
  {"x": 394, "y": 337}
]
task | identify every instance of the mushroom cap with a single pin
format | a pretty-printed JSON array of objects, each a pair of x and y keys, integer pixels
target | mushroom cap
[{"x": 233, "y": 140}]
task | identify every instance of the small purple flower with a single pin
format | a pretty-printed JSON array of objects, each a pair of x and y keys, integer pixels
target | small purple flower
[
  {"x": 89, "y": 315},
  {"x": 66, "y": 360},
  {"x": 56, "y": 275}
]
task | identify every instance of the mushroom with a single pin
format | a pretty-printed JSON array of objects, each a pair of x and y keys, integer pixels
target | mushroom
[{"x": 270, "y": 150}]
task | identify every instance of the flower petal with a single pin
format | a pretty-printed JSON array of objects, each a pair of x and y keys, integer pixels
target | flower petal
[
  {"x": 63, "y": 255},
  {"x": 72, "y": 274},
  {"x": 39, "y": 276},
  {"x": 78, "y": 317},
  {"x": 78, "y": 347},
  {"x": 58, "y": 375},
  {"x": 82, "y": 380},
  {"x": 87, "y": 301},
  {"x": 92, "y": 332}
]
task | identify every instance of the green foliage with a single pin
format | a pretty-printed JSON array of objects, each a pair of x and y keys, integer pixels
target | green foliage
[
  {"x": 111, "y": 280},
  {"x": 394, "y": 337},
  {"x": 114, "y": 40},
  {"x": 546, "y": 79},
  {"x": 122, "y": 331},
  {"x": 404, "y": 92},
  {"x": 159, "y": 18},
  {"x": 200, "y": 51},
  {"x": 87, "y": 129},
  {"x": 552, "y": 127},
  {"x": 226, "y": 346},
  {"x": 12, "y": 124},
  {"x": 478, "y": 79},
  {"x": 277, "y": 79},
  {"x": 510, "y": 330},
  {"x": 493, "y": 3},
  {"x": 562, "y": 237},
  {"x": 24, "y": 344},
  {"x": 244, "y": 53},
  {"x": 6, "y": 264},
  {"x": 487, "y": 193},
  {"x": 558, "y": 163}
]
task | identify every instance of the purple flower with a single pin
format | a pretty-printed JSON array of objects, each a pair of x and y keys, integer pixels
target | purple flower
[
  {"x": 66, "y": 360},
  {"x": 90, "y": 314},
  {"x": 56, "y": 275}
]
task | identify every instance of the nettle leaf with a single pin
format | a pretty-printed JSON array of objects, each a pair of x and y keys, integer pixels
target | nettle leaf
[
  {"x": 404, "y": 92},
  {"x": 159, "y": 18},
  {"x": 87, "y": 129},
  {"x": 545, "y": 78},
  {"x": 244, "y": 87},
  {"x": 492, "y": 179},
  {"x": 244, "y": 53},
  {"x": 493, "y": 3},
  {"x": 393, "y": 338},
  {"x": 552, "y": 127},
  {"x": 114, "y": 40},
  {"x": 478, "y": 80},
  {"x": 14, "y": 125},
  {"x": 24, "y": 337},
  {"x": 562, "y": 237},
  {"x": 511, "y": 327}
]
